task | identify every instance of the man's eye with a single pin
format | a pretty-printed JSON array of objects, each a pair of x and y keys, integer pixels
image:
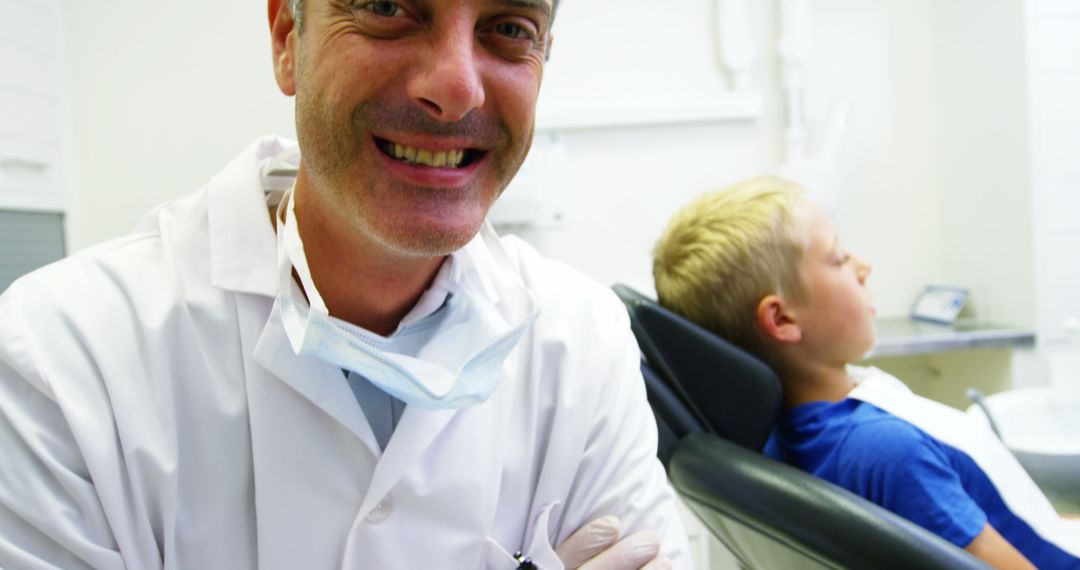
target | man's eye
[
  {"x": 512, "y": 30},
  {"x": 388, "y": 9}
]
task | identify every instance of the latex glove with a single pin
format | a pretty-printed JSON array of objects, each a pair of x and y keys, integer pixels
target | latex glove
[{"x": 597, "y": 545}]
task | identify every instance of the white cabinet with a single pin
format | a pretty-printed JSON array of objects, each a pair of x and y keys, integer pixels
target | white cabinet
[
  {"x": 32, "y": 113},
  {"x": 33, "y": 200}
]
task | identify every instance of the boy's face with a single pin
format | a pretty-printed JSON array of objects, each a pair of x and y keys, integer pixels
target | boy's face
[{"x": 835, "y": 315}]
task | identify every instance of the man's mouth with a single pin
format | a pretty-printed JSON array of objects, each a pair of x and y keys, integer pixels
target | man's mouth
[{"x": 456, "y": 158}]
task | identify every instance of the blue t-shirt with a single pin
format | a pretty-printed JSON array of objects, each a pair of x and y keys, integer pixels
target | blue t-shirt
[{"x": 894, "y": 464}]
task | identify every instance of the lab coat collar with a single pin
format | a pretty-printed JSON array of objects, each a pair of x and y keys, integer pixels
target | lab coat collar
[
  {"x": 494, "y": 273},
  {"x": 475, "y": 261},
  {"x": 242, "y": 246}
]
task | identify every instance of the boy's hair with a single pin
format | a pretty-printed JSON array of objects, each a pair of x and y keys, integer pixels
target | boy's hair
[{"x": 724, "y": 252}]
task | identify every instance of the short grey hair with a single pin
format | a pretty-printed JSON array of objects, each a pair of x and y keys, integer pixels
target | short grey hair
[{"x": 297, "y": 7}]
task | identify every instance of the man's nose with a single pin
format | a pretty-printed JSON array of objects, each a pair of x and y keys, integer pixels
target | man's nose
[{"x": 449, "y": 84}]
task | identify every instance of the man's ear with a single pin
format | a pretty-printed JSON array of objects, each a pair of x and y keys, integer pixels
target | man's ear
[
  {"x": 283, "y": 38},
  {"x": 777, "y": 320}
]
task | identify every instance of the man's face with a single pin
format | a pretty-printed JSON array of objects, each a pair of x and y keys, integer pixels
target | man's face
[
  {"x": 836, "y": 315},
  {"x": 414, "y": 115}
]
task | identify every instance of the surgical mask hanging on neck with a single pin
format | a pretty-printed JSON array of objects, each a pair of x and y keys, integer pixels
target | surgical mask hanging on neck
[{"x": 451, "y": 359}]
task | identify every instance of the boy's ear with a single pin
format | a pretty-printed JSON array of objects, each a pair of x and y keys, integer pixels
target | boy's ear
[{"x": 777, "y": 320}]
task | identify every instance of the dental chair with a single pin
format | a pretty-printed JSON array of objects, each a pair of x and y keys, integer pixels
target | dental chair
[{"x": 715, "y": 406}]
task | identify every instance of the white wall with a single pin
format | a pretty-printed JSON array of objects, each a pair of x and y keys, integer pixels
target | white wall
[
  {"x": 1054, "y": 82},
  {"x": 1054, "y": 88},
  {"x": 984, "y": 175}
]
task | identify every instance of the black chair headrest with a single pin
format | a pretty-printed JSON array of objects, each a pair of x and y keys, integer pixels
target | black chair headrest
[{"x": 730, "y": 392}]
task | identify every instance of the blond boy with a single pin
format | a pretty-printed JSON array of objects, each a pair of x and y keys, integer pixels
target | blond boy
[{"x": 760, "y": 265}]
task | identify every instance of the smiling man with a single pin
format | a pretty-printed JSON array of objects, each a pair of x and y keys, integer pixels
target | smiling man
[
  {"x": 348, "y": 371},
  {"x": 412, "y": 118}
]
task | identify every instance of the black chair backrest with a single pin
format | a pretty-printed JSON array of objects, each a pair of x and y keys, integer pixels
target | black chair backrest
[
  {"x": 738, "y": 397},
  {"x": 673, "y": 419}
]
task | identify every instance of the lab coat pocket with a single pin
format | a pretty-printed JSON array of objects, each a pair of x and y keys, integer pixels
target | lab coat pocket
[{"x": 538, "y": 548}]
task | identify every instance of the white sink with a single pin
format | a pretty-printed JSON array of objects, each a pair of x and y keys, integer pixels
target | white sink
[{"x": 1041, "y": 426}]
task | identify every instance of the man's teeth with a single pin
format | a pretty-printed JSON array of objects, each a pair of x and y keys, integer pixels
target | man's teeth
[{"x": 438, "y": 159}]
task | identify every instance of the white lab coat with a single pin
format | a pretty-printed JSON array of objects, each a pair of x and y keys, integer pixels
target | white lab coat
[{"x": 153, "y": 414}]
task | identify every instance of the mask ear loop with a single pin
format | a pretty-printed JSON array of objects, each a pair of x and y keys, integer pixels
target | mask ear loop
[
  {"x": 294, "y": 251},
  {"x": 300, "y": 317}
]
